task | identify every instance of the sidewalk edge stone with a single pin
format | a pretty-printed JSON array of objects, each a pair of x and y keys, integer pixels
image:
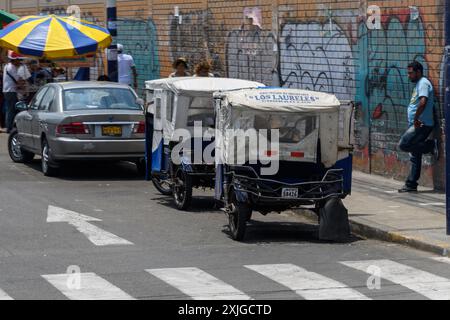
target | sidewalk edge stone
[{"x": 375, "y": 232}]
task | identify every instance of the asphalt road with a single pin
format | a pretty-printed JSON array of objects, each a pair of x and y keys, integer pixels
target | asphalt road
[{"x": 141, "y": 247}]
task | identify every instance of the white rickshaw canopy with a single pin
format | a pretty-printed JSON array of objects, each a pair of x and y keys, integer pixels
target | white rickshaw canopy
[
  {"x": 200, "y": 86},
  {"x": 281, "y": 100}
]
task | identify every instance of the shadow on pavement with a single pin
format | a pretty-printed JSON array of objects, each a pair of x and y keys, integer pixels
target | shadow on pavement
[
  {"x": 94, "y": 171},
  {"x": 259, "y": 232},
  {"x": 200, "y": 204}
]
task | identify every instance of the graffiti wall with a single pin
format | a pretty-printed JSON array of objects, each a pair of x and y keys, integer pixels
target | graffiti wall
[
  {"x": 314, "y": 56},
  {"x": 194, "y": 36},
  {"x": 139, "y": 39},
  {"x": 356, "y": 49}
]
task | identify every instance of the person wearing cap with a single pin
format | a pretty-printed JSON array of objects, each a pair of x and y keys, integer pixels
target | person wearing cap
[
  {"x": 127, "y": 68},
  {"x": 10, "y": 88},
  {"x": 180, "y": 65}
]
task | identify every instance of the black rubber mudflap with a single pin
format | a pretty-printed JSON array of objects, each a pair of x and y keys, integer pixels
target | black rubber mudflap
[{"x": 334, "y": 225}]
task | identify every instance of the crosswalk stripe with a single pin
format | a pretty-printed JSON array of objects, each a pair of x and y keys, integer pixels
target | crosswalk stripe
[
  {"x": 198, "y": 284},
  {"x": 4, "y": 295},
  {"x": 309, "y": 285},
  {"x": 427, "y": 284},
  {"x": 88, "y": 286}
]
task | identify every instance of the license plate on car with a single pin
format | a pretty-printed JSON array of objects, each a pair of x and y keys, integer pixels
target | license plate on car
[
  {"x": 112, "y": 131},
  {"x": 289, "y": 193}
]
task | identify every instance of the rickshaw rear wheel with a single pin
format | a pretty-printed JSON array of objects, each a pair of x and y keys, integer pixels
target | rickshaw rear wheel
[
  {"x": 238, "y": 215},
  {"x": 159, "y": 185},
  {"x": 182, "y": 190}
]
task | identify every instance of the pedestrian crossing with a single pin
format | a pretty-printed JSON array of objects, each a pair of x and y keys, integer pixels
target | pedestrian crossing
[
  {"x": 86, "y": 286},
  {"x": 307, "y": 284},
  {"x": 304, "y": 283}
]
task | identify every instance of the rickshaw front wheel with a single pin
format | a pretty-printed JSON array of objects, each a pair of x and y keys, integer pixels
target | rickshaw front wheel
[
  {"x": 160, "y": 186},
  {"x": 182, "y": 190},
  {"x": 238, "y": 215}
]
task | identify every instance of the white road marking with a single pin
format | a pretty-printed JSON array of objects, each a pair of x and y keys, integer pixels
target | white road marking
[
  {"x": 434, "y": 204},
  {"x": 309, "y": 285},
  {"x": 427, "y": 284},
  {"x": 4, "y": 295},
  {"x": 92, "y": 287},
  {"x": 97, "y": 236},
  {"x": 442, "y": 259},
  {"x": 198, "y": 284},
  {"x": 391, "y": 192}
]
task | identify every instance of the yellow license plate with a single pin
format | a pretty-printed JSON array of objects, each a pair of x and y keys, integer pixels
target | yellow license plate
[{"x": 112, "y": 131}]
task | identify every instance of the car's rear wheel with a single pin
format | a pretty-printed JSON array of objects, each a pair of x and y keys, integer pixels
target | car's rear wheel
[
  {"x": 16, "y": 153},
  {"x": 49, "y": 168},
  {"x": 141, "y": 167}
]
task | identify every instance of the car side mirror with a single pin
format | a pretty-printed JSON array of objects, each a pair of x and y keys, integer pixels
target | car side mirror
[
  {"x": 140, "y": 102},
  {"x": 21, "y": 106}
]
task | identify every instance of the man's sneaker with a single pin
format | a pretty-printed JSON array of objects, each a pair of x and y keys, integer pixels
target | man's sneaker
[
  {"x": 436, "y": 151},
  {"x": 406, "y": 189}
]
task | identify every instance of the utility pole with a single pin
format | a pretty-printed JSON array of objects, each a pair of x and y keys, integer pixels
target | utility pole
[
  {"x": 111, "y": 21},
  {"x": 447, "y": 112}
]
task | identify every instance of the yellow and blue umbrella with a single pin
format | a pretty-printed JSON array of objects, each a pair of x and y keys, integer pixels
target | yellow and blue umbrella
[{"x": 53, "y": 37}]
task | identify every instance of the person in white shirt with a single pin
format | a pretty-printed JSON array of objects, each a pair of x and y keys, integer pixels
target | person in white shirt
[
  {"x": 11, "y": 84},
  {"x": 127, "y": 68}
]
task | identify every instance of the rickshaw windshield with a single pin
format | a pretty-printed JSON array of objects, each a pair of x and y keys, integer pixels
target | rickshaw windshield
[
  {"x": 291, "y": 129},
  {"x": 201, "y": 109}
]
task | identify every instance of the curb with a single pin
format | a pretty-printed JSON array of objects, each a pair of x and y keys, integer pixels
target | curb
[{"x": 371, "y": 232}]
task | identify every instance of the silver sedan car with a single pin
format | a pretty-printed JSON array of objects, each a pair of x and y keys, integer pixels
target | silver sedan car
[{"x": 79, "y": 121}]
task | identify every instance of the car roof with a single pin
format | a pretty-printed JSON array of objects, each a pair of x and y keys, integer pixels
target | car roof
[{"x": 90, "y": 84}]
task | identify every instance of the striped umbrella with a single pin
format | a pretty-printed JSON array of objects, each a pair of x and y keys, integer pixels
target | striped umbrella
[{"x": 53, "y": 37}]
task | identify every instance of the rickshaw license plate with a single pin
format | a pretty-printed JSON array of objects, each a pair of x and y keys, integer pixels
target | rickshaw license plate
[
  {"x": 289, "y": 193},
  {"x": 112, "y": 131}
]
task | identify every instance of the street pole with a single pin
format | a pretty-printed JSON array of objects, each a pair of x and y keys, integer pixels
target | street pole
[
  {"x": 111, "y": 20},
  {"x": 447, "y": 112}
]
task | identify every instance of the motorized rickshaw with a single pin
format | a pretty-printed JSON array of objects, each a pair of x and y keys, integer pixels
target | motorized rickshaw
[
  {"x": 180, "y": 126},
  {"x": 278, "y": 149}
]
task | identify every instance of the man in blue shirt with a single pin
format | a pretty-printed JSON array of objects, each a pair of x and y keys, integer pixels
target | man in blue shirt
[{"x": 421, "y": 123}]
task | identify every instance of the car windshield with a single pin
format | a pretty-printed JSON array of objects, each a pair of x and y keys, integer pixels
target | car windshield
[{"x": 99, "y": 98}]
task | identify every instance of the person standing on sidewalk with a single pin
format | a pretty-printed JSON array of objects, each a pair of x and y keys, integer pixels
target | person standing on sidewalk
[
  {"x": 10, "y": 88},
  {"x": 421, "y": 124},
  {"x": 127, "y": 69}
]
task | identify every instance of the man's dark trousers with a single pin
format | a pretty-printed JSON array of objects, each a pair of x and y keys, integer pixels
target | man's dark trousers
[
  {"x": 414, "y": 141},
  {"x": 10, "y": 105}
]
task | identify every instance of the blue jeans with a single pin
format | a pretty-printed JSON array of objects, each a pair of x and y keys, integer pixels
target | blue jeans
[
  {"x": 10, "y": 99},
  {"x": 415, "y": 141}
]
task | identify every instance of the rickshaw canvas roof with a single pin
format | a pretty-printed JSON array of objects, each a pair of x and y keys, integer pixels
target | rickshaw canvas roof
[
  {"x": 197, "y": 86},
  {"x": 281, "y": 100}
]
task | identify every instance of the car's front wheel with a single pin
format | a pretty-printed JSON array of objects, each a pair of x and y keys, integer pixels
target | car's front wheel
[
  {"x": 16, "y": 153},
  {"x": 49, "y": 168}
]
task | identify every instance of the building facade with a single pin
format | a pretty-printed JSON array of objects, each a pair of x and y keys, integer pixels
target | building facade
[{"x": 356, "y": 49}]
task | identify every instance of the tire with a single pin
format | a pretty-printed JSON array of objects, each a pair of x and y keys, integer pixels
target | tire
[
  {"x": 16, "y": 153},
  {"x": 141, "y": 168},
  {"x": 182, "y": 190},
  {"x": 238, "y": 216},
  {"x": 159, "y": 185},
  {"x": 48, "y": 166},
  {"x": 333, "y": 221}
]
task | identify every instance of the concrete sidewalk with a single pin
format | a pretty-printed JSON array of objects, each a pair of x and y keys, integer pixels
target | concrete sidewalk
[{"x": 378, "y": 211}]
